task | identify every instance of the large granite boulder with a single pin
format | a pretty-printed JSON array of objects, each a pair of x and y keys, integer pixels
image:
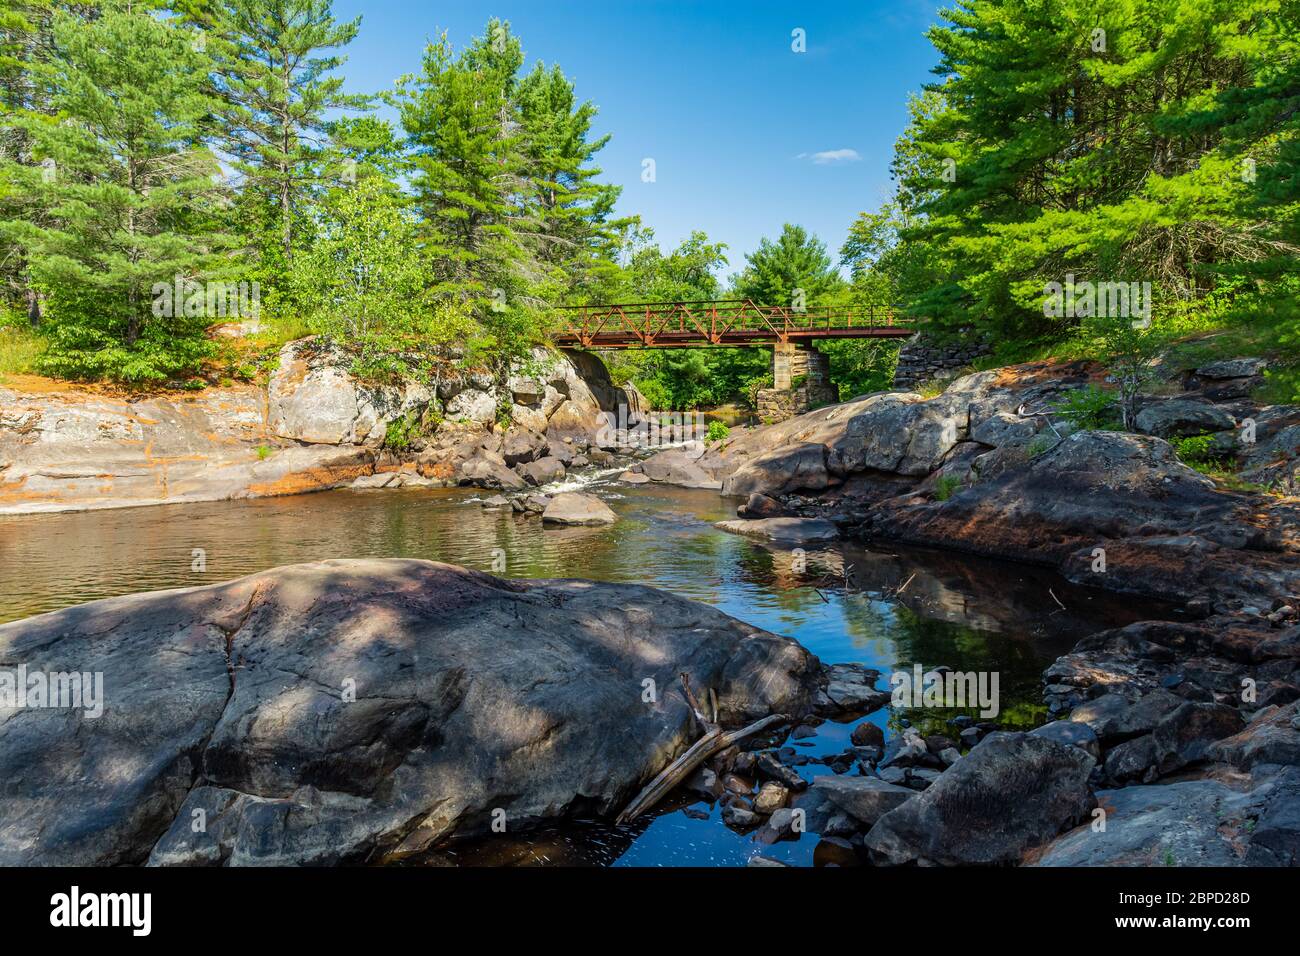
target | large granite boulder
[
  {"x": 72, "y": 450},
  {"x": 676, "y": 466},
  {"x": 312, "y": 397},
  {"x": 1013, "y": 792},
  {"x": 577, "y": 509},
  {"x": 1159, "y": 523},
  {"x": 361, "y": 711}
]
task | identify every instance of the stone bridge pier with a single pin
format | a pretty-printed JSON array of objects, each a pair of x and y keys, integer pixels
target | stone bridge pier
[{"x": 801, "y": 380}]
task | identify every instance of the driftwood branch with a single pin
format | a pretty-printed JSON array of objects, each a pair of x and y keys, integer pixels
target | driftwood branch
[{"x": 714, "y": 740}]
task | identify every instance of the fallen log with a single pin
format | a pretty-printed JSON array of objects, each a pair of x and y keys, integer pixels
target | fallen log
[{"x": 714, "y": 740}]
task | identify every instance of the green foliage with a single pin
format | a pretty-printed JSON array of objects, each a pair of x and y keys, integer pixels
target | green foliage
[
  {"x": 362, "y": 287},
  {"x": 795, "y": 272},
  {"x": 20, "y": 347},
  {"x": 861, "y": 366},
  {"x": 1041, "y": 444},
  {"x": 1092, "y": 407},
  {"x": 264, "y": 452},
  {"x": 276, "y": 86},
  {"x": 131, "y": 195},
  {"x": 717, "y": 432},
  {"x": 946, "y": 486},
  {"x": 399, "y": 432},
  {"x": 1048, "y": 148}
]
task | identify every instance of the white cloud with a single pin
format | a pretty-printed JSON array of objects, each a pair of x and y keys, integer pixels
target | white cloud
[{"x": 830, "y": 157}]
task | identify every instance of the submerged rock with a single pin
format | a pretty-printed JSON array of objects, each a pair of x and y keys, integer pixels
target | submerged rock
[
  {"x": 781, "y": 530},
  {"x": 360, "y": 711}
]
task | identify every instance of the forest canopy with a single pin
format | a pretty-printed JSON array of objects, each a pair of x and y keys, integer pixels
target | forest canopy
[{"x": 172, "y": 145}]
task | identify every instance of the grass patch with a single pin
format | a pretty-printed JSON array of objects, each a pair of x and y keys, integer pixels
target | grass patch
[
  {"x": 946, "y": 487},
  {"x": 20, "y": 348}
]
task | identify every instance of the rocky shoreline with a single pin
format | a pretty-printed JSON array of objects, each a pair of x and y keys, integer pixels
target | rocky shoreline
[
  {"x": 314, "y": 427},
  {"x": 1186, "y": 733},
  {"x": 1173, "y": 742}
]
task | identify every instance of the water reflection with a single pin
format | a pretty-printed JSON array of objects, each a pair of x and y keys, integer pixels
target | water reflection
[{"x": 886, "y": 608}]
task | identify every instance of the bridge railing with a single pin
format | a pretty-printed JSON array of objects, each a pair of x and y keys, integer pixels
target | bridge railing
[{"x": 733, "y": 320}]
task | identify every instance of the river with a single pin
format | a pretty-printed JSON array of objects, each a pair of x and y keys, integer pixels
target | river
[{"x": 887, "y": 608}]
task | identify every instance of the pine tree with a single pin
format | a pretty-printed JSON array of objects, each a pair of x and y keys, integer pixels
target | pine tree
[
  {"x": 468, "y": 179},
  {"x": 793, "y": 272},
  {"x": 277, "y": 89},
  {"x": 463, "y": 133},
  {"x": 132, "y": 196},
  {"x": 569, "y": 211},
  {"x": 26, "y": 49}
]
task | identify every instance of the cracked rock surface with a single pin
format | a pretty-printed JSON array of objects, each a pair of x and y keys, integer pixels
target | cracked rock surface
[{"x": 361, "y": 711}]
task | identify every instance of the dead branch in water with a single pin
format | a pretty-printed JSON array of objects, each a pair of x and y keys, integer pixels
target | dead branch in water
[{"x": 714, "y": 740}]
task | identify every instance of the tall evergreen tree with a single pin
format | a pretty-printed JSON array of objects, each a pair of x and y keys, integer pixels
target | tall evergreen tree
[
  {"x": 133, "y": 198},
  {"x": 570, "y": 211},
  {"x": 794, "y": 271},
  {"x": 278, "y": 83},
  {"x": 463, "y": 133}
]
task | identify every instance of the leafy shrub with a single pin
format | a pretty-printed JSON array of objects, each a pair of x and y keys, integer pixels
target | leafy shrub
[
  {"x": 1091, "y": 407},
  {"x": 717, "y": 432},
  {"x": 398, "y": 434},
  {"x": 1041, "y": 445}
]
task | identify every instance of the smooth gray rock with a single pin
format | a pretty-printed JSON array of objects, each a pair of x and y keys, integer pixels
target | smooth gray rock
[
  {"x": 1232, "y": 368},
  {"x": 800, "y": 467},
  {"x": 1180, "y": 417},
  {"x": 676, "y": 467},
  {"x": 1071, "y": 733},
  {"x": 576, "y": 509},
  {"x": 1272, "y": 736},
  {"x": 472, "y": 693},
  {"x": 866, "y": 799},
  {"x": 782, "y": 530},
  {"x": 312, "y": 397},
  {"x": 1190, "y": 823},
  {"x": 542, "y": 471}
]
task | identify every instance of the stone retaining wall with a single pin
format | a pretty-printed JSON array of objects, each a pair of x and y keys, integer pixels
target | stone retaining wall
[{"x": 922, "y": 359}]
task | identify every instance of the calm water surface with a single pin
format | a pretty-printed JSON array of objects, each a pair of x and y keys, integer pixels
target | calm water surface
[{"x": 887, "y": 609}]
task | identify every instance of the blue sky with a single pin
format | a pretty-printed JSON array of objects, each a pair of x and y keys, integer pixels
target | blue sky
[{"x": 712, "y": 91}]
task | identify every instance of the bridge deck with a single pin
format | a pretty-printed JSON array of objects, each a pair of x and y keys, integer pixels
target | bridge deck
[{"x": 738, "y": 322}]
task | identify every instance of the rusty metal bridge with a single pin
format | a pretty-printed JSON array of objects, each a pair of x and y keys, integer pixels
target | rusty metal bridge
[{"x": 727, "y": 322}]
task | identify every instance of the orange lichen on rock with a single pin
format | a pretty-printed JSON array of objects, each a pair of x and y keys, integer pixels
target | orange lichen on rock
[{"x": 312, "y": 479}]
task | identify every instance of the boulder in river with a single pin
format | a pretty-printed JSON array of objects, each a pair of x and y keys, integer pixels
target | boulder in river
[
  {"x": 782, "y": 530},
  {"x": 569, "y": 507},
  {"x": 1010, "y": 794},
  {"x": 361, "y": 711},
  {"x": 1253, "y": 820}
]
